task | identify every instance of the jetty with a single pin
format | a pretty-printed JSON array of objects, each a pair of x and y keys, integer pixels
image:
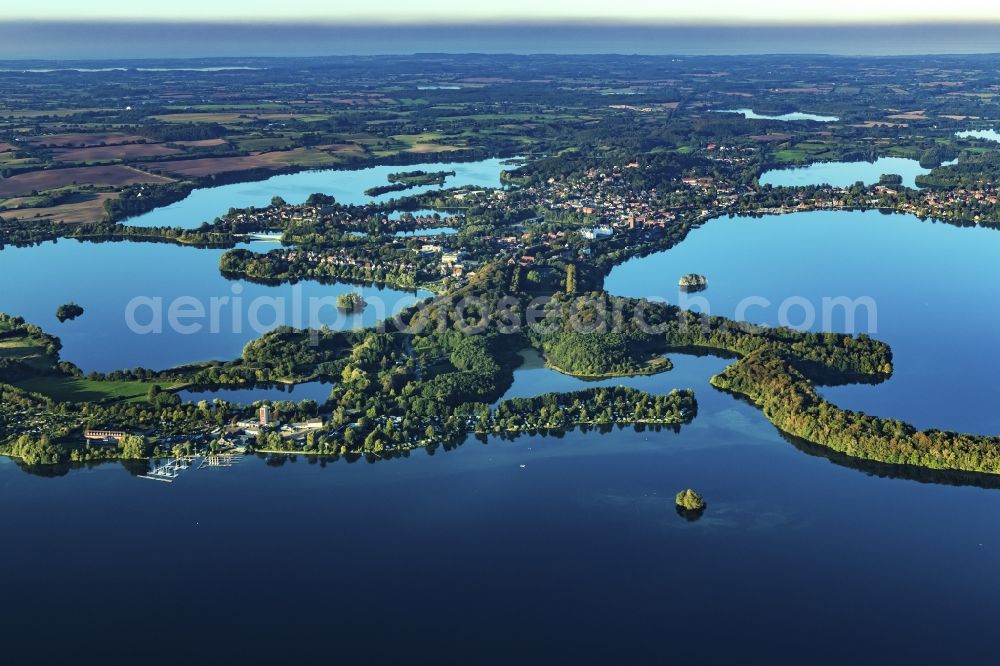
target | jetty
[
  {"x": 172, "y": 468},
  {"x": 220, "y": 460},
  {"x": 168, "y": 471},
  {"x": 265, "y": 238}
]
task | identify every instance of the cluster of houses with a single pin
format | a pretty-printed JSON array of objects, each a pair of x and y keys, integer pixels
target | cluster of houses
[
  {"x": 345, "y": 259},
  {"x": 607, "y": 198},
  {"x": 240, "y": 434},
  {"x": 275, "y": 217}
]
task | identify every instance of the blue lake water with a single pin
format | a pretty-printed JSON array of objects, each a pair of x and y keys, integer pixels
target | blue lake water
[
  {"x": 931, "y": 285},
  {"x": 844, "y": 174},
  {"x": 347, "y": 186},
  {"x": 576, "y": 557},
  {"x": 427, "y": 212},
  {"x": 317, "y": 391},
  {"x": 548, "y": 549},
  {"x": 989, "y": 135},
  {"x": 435, "y": 231},
  {"x": 105, "y": 278},
  {"x": 749, "y": 114},
  {"x": 533, "y": 378}
]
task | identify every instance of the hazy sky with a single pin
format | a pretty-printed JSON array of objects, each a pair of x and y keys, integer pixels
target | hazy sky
[
  {"x": 124, "y": 40},
  {"x": 728, "y": 11},
  {"x": 50, "y": 29}
]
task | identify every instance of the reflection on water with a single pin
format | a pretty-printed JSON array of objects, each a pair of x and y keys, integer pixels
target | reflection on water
[
  {"x": 534, "y": 378},
  {"x": 106, "y": 277},
  {"x": 557, "y": 533},
  {"x": 318, "y": 391},
  {"x": 749, "y": 114},
  {"x": 433, "y": 231},
  {"x": 845, "y": 174},
  {"x": 347, "y": 186},
  {"x": 989, "y": 134},
  {"x": 888, "y": 471},
  {"x": 927, "y": 282}
]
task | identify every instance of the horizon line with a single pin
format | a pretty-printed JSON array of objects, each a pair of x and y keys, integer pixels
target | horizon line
[{"x": 578, "y": 21}]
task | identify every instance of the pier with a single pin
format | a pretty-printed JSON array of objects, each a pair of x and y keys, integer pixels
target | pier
[
  {"x": 168, "y": 471},
  {"x": 220, "y": 460},
  {"x": 172, "y": 468}
]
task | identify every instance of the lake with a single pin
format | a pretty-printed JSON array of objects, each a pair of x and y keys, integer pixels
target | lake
[
  {"x": 347, "y": 186},
  {"x": 546, "y": 549},
  {"x": 749, "y": 114},
  {"x": 932, "y": 287},
  {"x": 443, "y": 214},
  {"x": 318, "y": 391},
  {"x": 433, "y": 231},
  {"x": 105, "y": 278},
  {"x": 989, "y": 134},
  {"x": 845, "y": 174},
  {"x": 576, "y": 557},
  {"x": 534, "y": 378}
]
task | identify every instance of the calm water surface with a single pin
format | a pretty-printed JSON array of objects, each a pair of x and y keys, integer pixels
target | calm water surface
[
  {"x": 316, "y": 391},
  {"x": 844, "y": 174},
  {"x": 105, "y": 277},
  {"x": 932, "y": 287},
  {"x": 443, "y": 214},
  {"x": 749, "y": 114},
  {"x": 989, "y": 135},
  {"x": 347, "y": 186},
  {"x": 465, "y": 556},
  {"x": 434, "y": 231},
  {"x": 546, "y": 549}
]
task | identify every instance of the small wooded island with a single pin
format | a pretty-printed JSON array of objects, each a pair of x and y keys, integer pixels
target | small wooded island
[
  {"x": 690, "y": 505},
  {"x": 404, "y": 180},
  {"x": 689, "y": 500},
  {"x": 68, "y": 311},
  {"x": 352, "y": 301},
  {"x": 693, "y": 282}
]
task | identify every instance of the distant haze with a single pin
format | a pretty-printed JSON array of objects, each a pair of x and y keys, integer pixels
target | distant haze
[
  {"x": 110, "y": 40},
  {"x": 463, "y": 11}
]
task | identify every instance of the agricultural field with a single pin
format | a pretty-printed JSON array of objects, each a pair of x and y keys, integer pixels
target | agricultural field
[
  {"x": 82, "y": 139},
  {"x": 120, "y": 152},
  {"x": 210, "y": 166},
  {"x": 235, "y": 118},
  {"x": 49, "y": 179},
  {"x": 76, "y": 208},
  {"x": 60, "y": 133}
]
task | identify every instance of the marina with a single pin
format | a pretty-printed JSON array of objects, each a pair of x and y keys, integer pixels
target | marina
[{"x": 171, "y": 469}]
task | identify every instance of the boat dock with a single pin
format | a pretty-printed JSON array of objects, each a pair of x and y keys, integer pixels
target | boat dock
[
  {"x": 172, "y": 468},
  {"x": 220, "y": 460},
  {"x": 168, "y": 471}
]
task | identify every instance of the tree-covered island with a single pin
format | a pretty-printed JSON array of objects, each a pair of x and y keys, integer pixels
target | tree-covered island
[
  {"x": 351, "y": 301},
  {"x": 693, "y": 282},
  {"x": 405, "y": 180},
  {"x": 68, "y": 311}
]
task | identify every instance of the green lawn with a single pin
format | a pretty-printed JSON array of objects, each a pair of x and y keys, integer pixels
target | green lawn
[
  {"x": 79, "y": 389},
  {"x": 22, "y": 349},
  {"x": 807, "y": 151},
  {"x": 26, "y": 349}
]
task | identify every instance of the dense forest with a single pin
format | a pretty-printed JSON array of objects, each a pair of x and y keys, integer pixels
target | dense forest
[{"x": 789, "y": 400}]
